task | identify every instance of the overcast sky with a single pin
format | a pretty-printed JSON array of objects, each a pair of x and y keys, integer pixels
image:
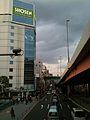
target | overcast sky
[{"x": 51, "y": 33}]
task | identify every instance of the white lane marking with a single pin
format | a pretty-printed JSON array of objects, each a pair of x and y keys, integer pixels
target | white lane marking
[
  {"x": 68, "y": 106},
  {"x": 61, "y": 106},
  {"x": 42, "y": 106},
  {"x": 8, "y": 111}
]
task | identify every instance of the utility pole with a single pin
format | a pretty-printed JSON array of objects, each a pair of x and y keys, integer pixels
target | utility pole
[
  {"x": 67, "y": 21},
  {"x": 60, "y": 66},
  {"x": 59, "y": 61}
]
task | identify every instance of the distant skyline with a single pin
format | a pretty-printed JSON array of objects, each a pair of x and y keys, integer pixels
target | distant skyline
[{"x": 51, "y": 33}]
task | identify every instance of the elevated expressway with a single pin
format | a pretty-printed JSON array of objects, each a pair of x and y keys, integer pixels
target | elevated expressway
[{"x": 78, "y": 69}]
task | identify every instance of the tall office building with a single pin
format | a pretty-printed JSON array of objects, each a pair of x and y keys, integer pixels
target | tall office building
[{"x": 18, "y": 30}]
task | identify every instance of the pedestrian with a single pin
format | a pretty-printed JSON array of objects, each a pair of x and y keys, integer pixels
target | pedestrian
[
  {"x": 17, "y": 101},
  {"x": 26, "y": 101},
  {"x": 12, "y": 113},
  {"x": 42, "y": 106},
  {"x": 48, "y": 106}
]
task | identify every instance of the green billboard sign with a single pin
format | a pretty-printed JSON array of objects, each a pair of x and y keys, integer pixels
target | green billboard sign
[{"x": 22, "y": 12}]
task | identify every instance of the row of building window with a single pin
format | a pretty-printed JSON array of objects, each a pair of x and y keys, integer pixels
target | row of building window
[
  {"x": 11, "y": 48},
  {"x": 12, "y": 34}
]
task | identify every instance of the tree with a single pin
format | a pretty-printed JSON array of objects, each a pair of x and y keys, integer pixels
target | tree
[{"x": 4, "y": 82}]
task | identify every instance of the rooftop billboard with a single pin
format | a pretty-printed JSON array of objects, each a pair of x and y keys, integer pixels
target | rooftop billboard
[{"x": 23, "y": 13}]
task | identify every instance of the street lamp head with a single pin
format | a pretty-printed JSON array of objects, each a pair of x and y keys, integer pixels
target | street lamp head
[
  {"x": 67, "y": 20},
  {"x": 16, "y": 51}
]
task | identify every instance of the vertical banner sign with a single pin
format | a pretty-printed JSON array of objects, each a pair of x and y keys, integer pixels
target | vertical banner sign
[{"x": 23, "y": 13}]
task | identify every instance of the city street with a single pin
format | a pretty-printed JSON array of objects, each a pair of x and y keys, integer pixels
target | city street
[
  {"x": 41, "y": 114},
  {"x": 64, "y": 110},
  {"x": 34, "y": 111},
  {"x": 44, "y": 59},
  {"x": 37, "y": 113}
]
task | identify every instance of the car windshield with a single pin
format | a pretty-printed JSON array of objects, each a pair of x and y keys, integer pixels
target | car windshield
[{"x": 80, "y": 114}]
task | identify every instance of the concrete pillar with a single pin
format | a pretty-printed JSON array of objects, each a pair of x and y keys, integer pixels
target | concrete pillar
[
  {"x": 88, "y": 89},
  {"x": 68, "y": 90}
]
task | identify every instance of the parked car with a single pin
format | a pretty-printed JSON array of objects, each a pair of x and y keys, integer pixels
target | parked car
[{"x": 78, "y": 114}]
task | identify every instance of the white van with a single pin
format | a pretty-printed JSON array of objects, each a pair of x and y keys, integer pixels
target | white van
[
  {"x": 78, "y": 114},
  {"x": 53, "y": 113}
]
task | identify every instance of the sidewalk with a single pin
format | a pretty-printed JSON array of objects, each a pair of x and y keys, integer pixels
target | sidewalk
[{"x": 20, "y": 109}]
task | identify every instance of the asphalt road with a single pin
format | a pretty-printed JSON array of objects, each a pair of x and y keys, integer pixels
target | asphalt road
[
  {"x": 37, "y": 113},
  {"x": 65, "y": 108},
  {"x": 41, "y": 114}
]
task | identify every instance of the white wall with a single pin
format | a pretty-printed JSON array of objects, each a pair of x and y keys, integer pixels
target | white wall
[{"x": 5, "y": 6}]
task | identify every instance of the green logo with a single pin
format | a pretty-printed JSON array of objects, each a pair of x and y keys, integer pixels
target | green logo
[{"x": 22, "y": 12}]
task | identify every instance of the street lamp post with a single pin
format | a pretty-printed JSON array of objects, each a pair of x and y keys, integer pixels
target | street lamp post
[
  {"x": 60, "y": 66},
  {"x": 67, "y": 21},
  {"x": 16, "y": 52},
  {"x": 59, "y": 61}
]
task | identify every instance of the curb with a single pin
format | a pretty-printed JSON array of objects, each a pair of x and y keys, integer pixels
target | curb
[{"x": 30, "y": 110}]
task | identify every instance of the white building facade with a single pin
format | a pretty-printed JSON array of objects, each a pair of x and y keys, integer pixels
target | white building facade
[{"x": 17, "y": 30}]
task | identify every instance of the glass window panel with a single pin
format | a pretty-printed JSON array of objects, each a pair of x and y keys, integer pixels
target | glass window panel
[
  {"x": 11, "y": 62},
  {"x": 11, "y": 40},
  {"x": 11, "y": 47},
  {"x": 12, "y": 27},
  {"x": 12, "y": 34}
]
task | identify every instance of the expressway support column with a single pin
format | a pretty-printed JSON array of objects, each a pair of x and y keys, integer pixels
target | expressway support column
[
  {"x": 88, "y": 89},
  {"x": 68, "y": 90}
]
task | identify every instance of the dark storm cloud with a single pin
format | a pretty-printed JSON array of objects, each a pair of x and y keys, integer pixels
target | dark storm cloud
[
  {"x": 54, "y": 14},
  {"x": 51, "y": 18},
  {"x": 50, "y": 37}
]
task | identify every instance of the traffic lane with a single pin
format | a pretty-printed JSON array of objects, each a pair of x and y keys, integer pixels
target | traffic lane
[
  {"x": 71, "y": 104},
  {"x": 65, "y": 111},
  {"x": 74, "y": 105},
  {"x": 37, "y": 113}
]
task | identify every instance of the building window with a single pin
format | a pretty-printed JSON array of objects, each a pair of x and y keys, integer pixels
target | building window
[
  {"x": 11, "y": 47},
  {"x": 11, "y": 40},
  {"x": 12, "y": 27},
  {"x": 10, "y": 77},
  {"x": 10, "y": 69},
  {"x": 12, "y": 34},
  {"x": 10, "y": 85},
  {"x": 11, "y": 62}
]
